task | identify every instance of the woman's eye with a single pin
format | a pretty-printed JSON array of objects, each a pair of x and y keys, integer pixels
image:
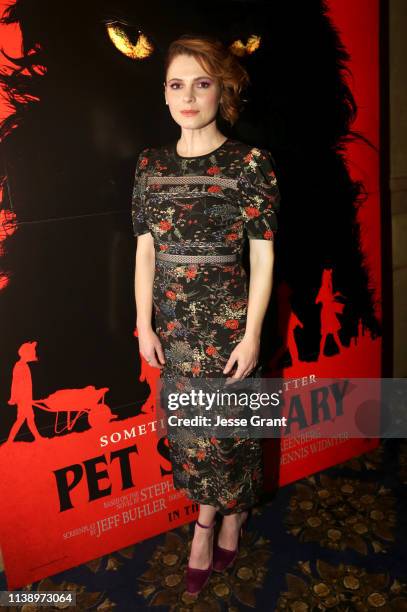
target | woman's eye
[{"x": 201, "y": 85}]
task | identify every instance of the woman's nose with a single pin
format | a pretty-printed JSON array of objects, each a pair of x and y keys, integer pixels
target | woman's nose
[{"x": 188, "y": 95}]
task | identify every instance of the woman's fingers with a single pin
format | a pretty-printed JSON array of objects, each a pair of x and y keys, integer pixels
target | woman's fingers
[
  {"x": 250, "y": 368},
  {"x": 243, "y": 371},
  {"x": 244, "y": 366},
  {"x": 230, "y": 363},
  {"x": 160, "y": 352},
  {"x": 152, "y": 361},
  {"x": 239, "y": 372},
  {"x": 151, "y": 350}
]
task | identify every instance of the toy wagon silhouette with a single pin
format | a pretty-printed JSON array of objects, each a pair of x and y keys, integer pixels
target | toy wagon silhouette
[{"x": 76, "y": 403}]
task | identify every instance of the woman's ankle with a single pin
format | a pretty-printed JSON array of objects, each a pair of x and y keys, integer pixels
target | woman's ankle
[
  {"x": 237, "y": 518},
  {"x": 201, "y": 548},
  {"x": 202, "y": 534}
]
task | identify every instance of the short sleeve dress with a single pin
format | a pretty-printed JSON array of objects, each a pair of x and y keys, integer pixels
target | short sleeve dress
[{"x": 207, "y": 204}]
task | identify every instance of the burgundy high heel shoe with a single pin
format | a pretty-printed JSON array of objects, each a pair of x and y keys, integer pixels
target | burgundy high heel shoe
[
  {"x": 197, "y": 578},
  {"x": 224, "y": 558}
]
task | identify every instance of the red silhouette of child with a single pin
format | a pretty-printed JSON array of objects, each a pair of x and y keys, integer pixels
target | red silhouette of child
[{"x": 330, "y": 323}]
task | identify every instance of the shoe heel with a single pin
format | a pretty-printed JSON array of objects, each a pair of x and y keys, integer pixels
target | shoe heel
[
  {"x": 196, "y": 579},
  {"x": 223, "y": 558}
]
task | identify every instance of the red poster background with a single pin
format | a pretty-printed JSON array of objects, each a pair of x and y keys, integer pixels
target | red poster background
[
  {"x": 362, "y": 359},
  {"x": 37, "y": 537}
]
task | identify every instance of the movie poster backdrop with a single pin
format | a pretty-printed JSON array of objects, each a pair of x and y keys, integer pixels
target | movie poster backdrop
[{"x": 82, "y": 469}]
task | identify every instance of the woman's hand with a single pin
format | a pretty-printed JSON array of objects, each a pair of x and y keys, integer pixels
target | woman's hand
[
  {"x": 150, "y": 347},
  {"x": 246, "y": 355}
]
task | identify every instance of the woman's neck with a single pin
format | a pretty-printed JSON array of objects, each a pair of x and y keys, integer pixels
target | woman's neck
[{"x": 191, "y": 143}]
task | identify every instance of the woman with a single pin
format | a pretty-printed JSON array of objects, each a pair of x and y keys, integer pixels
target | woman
[{"x": 192, "y": 201}]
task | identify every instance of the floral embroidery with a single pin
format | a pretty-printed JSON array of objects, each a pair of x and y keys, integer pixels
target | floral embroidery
[
  {"x": 213, "y": 170},
  {"x": 200, "y": 309}
]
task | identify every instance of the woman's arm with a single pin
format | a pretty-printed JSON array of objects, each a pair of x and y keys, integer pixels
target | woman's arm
[
  {"x": 143, "y": 280},
  {"x": 260, "y": 202},
  {"x": 149, "y": 343},
  {"x": 260, "y": 287},
  {"x": 247, "y": 351}
]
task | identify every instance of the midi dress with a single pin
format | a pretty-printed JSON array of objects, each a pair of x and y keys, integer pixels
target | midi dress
[{"x": 206, "y": 205}]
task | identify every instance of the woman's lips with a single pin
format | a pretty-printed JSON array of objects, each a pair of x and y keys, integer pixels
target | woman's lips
[{"x": 189, "y": 112}]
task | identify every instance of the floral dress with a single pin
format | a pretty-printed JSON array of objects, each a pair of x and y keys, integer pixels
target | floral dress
[{"x": 206, "y": 205}]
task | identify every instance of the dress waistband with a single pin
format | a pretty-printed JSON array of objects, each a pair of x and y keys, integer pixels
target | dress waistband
[{"x": 176, "y": 258}]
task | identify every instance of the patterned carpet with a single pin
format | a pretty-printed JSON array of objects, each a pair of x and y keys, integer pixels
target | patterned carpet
[{"x": 333, "y": 541}]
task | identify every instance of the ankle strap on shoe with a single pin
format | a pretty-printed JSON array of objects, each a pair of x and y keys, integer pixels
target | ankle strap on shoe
[{"x": 205, "y": 526}]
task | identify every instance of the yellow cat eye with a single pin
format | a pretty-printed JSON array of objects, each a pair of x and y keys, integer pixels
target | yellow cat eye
[
  {"x": 140, "y": 50},
  {"x": 143, "y": 47},
  {"x": 240, "y": 49}
]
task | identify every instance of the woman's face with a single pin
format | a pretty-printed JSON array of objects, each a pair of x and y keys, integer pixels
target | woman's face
[{"x": 189, "y": 87}]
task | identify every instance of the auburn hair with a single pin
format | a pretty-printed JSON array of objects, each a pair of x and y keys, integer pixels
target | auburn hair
[{"x": 218, "y": 62}]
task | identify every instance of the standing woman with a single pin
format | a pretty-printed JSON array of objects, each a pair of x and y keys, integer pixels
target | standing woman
[{"x": 194, "y": 203}]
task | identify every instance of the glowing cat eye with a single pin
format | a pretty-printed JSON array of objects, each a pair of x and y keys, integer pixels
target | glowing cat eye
[
  {"x": 240, "y": 49},
  {"x": 141, "y": 50}
]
